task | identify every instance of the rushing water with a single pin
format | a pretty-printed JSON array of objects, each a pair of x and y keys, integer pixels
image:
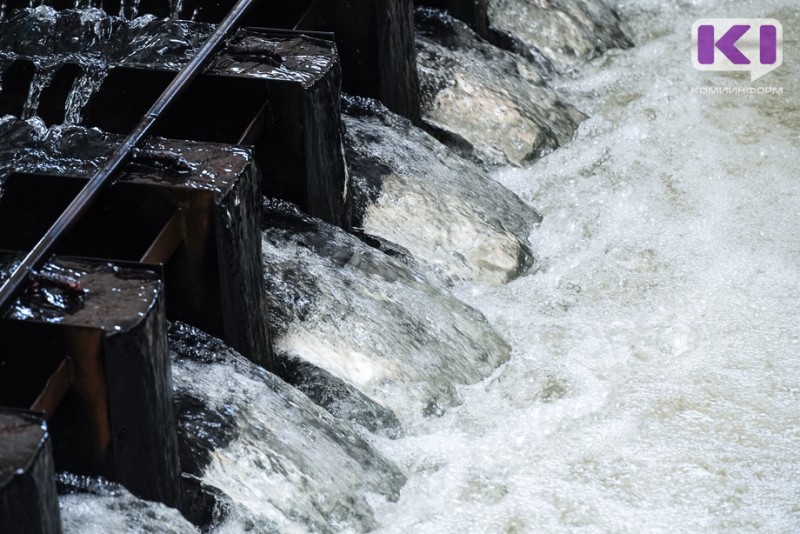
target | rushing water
[
  {"x": 55, "y": 43},
  {"x": 95, "y": 42},
  {"x": 30, "y": 146},
  {"x": 564, "y": 32},
  {"x": 95, "y": 506},
  {"x": 654, "y": 382},
  {"x": 486, "y": 103},
  {"x": 86, "y": 85},
  {"x": 411, "y": 190},
  {"x": 372, "y": 321},
  {"x": 639, "y": 375},
  {"x": 240, "y": 429},
  {"x": 90, "y": 32}
]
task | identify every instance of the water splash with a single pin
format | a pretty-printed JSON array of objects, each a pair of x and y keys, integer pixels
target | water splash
[
  {"x": 30, "y": 146},
  {"x": 654, "y": 380},
  {"x": 487, "y": 104},
  {"x": 96, "y": 506},
  {"x": 175, "y": 9},
  {"x": 89, "y": 34},
  {"x": 45, "y": 70},
  {"x": 265, "y": 454},
  {"x": 29, "y": 30},
  {"x": 97, "y": 42},
  {"x": 370, "y": 320},
  {"x": 129, "y": 9},
  {"x": 84, "y": 87},
  {"x": 412, "y": 191},
  {"x": 566, "y": 32},
  {"x": 94, "y": 41}
]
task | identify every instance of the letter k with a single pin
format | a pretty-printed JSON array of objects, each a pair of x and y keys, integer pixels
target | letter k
[{"x": 726, "y": 44}]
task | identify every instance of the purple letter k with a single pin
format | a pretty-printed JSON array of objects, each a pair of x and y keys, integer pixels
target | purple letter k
[{"x": 726, "y": 44}]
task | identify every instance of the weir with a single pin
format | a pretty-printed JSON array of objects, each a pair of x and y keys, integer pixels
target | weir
[
  {"x": 183, "y": 215},
  {"x": 254, "y": 219},
  {"x": 374, "y": 37},
  {"x": 99, "y": 328},
  {"x": 287, "y": 109},
  {"x": 197, "y": 223},
  {"x": 96, "y": 331}
]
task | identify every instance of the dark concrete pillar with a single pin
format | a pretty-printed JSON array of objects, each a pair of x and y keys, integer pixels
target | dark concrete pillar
[
  {"x": 28, "y": 499},
  {"x": 213, "y": 262},
  {"x": 97, "y": 364}
]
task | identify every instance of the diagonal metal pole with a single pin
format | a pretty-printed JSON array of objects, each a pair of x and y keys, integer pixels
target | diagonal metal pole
[{"x": 105, "y": 176}]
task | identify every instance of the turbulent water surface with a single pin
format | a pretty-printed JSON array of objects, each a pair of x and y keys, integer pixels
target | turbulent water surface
[
  {"x": 370, "y": 320},
  {"x": 95, "y": 506},
  {"x": 639, "y": 375},
  {"x": 488, "y": 104},
  {"x": 411, "y": 190},
  {"x": 239, "y": 431},
  {"x": 654, "y": 382},
  {"x": 558, "y": 33}
]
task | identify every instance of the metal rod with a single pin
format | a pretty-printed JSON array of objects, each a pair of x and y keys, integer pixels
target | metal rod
[
  {"x": 311, "y": 6},
  {"x": 105, "y": 176}
]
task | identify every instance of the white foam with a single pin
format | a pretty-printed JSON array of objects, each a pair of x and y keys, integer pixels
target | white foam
[
  {"x": 289, "y": 466},
  {"x": 654, "y": 385},
  {"x": 119, "y": 511},
  {"x": 375, "y": 323}
]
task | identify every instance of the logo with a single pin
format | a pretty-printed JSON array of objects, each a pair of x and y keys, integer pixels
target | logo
[{"x": 753, "y": 45}]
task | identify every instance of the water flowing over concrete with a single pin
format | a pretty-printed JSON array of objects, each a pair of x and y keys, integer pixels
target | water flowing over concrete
[
  {"x": 565, "y": 33},
  {"x": 262, "y": 452},
  {"x": 412, "y": 191},
  {"x": 32, "y": 147},
  {"x": 91, "y": 41},
  {"x": 625, "y": 362},
  {"x": 369, "y": 319},
  {"x": 94, "y": 35},
  {"x": 487, "y": 104}
]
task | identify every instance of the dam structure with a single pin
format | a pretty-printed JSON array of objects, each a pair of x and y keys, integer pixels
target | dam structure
[{"x": 392, "y": 266}]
